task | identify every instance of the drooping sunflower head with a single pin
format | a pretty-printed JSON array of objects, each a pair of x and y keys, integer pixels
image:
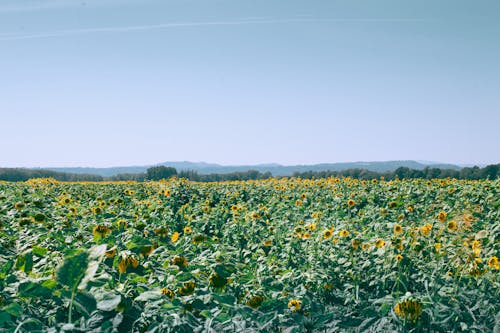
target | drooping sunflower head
[
  {"x": 19, "y": 205},
  {"x": 169, "y": 293},
  {"x": 442, "y": 216},
  {"x": 199, "y": 238},
  {"x": 101, "y": 230},
  {"x": 180, "y": 261},
  {"x": 187, "y": 288},
  {"x": 408, "y": 310},
  {"x": 255, "y": 301},
  {"x": 217, "y": 281}
]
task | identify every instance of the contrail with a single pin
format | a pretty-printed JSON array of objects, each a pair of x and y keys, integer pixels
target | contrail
[{"x": 118, "y": 29}]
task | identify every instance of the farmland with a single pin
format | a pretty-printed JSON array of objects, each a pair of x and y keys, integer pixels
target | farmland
[{"x": 277, "y": 255}]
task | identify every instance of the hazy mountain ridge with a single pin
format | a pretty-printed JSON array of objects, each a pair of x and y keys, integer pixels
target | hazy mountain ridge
[{"x": 275, "y": 169}]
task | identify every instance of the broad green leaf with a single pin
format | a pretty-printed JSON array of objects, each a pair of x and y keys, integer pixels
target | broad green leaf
[
  {"x": 33, "y": 289},
  {"x": 109, "y": 301},
  {"x": 73, "y": 269}
]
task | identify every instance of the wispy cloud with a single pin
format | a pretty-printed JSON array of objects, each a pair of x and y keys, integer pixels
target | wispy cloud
[{"x": 244, "y": 21}]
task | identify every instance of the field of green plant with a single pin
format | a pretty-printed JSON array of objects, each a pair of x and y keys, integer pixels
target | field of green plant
[{"x": 289, "y": 255}]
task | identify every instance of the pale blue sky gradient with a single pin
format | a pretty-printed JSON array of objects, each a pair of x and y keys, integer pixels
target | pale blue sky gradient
[{"x": 124, "y": 82}]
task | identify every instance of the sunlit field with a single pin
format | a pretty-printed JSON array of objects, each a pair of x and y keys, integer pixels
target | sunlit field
[{"x": 289, "y": 255}]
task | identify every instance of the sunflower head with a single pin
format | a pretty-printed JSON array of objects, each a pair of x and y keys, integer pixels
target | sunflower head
[
  {"x": 398, "y": 229},
  {"x": 351, "y": 203},
  {"x": 327, "y": 234},
  {"x": 493, "y": 263},
  {"x": 187, "y": 288},
  {"x": 442, "y": 216},
  {"x": 380, "y": 243},
  {"x": 255, "y": 301},
  {"x": 452, "y": 226},
  {"x": 169, "y": 293},
  {"x": 180, "y": 261},
  {"x": 294, "y": 305},
  {"x": 408, "y": 310}
]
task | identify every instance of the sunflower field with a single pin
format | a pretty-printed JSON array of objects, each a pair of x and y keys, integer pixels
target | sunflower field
[{"x": 277, "y": 255}]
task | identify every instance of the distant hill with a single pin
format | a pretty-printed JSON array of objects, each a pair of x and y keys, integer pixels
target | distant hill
[{"x": 275, "y": 169}]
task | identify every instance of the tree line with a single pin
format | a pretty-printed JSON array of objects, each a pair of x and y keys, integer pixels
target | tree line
[
  {"x": 163, "y": 172},
  {"x": 473, "y": 173}
]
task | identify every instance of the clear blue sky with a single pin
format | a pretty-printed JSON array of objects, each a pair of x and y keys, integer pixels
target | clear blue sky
[{"x": 124, "y": 82}]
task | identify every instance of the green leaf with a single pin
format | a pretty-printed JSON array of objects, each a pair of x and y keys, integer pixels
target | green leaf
[
  {"x": 4, "y": 318},
  {"x": 85, "y": 303},
  {"x": 24, "y": 262},
  {"x": 33, "y": 289},
  {"x": 14, "y": 309},
  {"x": 39, "y": 251},
  {"x": 109, "y": 302},
  {"x": 73, "y": 269},
  {"x": 148, "y": 296}
]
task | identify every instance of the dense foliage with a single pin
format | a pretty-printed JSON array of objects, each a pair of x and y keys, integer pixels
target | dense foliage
[
  {"x": 286, "y": 255},
  {"x": 163, "y": 172}
]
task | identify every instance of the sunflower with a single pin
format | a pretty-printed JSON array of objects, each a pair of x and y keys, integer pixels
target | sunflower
[
  {"x": 126, "y": 262},
  {"x": 254, "y": 215},
  {"x": 306, "y": 235},
  {"x": 426, "y": 229},
  {"x": 161, "y": 232},
  {"x": 188, "y": 230},
  {"x": 398, "y": 257},
  {"x": 350, "y": 202},
  {"x": 255, "y": 301},
  {"x": 268, "y": 243},
  {"x": 493, "y": 263},
  {"x": 39, "y": 217},
  {"x": 442, "y": 216},
  {"x": 101, "y": 231},
  {"x": 298, "y": 203},
  {"x": 365, "y": 246},
  {"x": 437, "y": 246},
  {"x": 294, "y": 305},
  {"x": 169, "y": 293},
  {"x": 327, "y": 234},
  {"x": 19, "y": 205},
  {"x": 379, "y": 243},
  {"x": 355, "y": 243},
  {"x": 166, "y": 193},
  {"x": 217, "y": 281},
  {"x": 199, "y": 238},
  {"x": 398, "y": 229},
  {"x": 110, "y": 253},
  {"x": 122, "y": 224},
  {"x": 408, "y": 310},
  {"x": 180, "y": 261},
  {"x": 311, "y": 226},
  {"x": 97, "y": 210},
  {"x": 344, "y": 233},
  {"x": 187, "y": 288},
  {"x": 452, "y": 226},
  {"x": 409, "y": 208}
]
